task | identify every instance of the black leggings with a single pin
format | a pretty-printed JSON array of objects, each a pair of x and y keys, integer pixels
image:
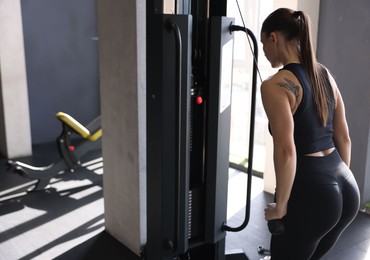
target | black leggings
[{"x": 324, "y": 201}]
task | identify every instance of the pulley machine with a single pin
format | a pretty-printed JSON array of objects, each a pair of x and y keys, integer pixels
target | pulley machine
[{"x": 189, "y": 84}]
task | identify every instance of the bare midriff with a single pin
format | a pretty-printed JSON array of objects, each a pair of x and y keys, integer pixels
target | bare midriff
[{"x": 321, "y": 153}]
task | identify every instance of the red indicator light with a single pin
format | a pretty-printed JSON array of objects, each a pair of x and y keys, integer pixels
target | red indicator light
[{"x": 199, "y": 100}]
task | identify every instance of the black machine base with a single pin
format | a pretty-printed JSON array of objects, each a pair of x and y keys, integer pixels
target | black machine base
[
  {"x": 239, "y": 256},
  {"x": 236, "y": 255}
]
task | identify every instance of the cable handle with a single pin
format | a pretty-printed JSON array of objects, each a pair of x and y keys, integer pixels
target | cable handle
[
  {"x": 178, "y": 41},
  {"x": 251, "y": 133}
]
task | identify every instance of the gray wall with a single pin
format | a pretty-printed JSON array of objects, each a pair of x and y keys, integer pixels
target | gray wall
[
  {"x": 344, "y": 47},
  {"x": 61, "y": 50}
]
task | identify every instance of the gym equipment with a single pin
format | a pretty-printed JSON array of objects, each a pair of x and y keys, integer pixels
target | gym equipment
[
  {"x": 70, "y": 154},
  {"x": 263, "y": 251},
  {"x": 189, "y": 86},
  {"x": 276, "y": 227}
]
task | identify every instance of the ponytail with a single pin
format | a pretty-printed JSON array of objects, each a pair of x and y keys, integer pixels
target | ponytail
[
  {"x": 315, "y": 71},
  {"x": 295, "y": 25}
]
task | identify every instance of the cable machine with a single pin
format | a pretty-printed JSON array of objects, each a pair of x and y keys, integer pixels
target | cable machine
[{"x": 189, "y": 85}]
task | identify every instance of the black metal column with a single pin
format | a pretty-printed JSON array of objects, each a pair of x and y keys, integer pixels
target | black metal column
[
  {"x": 168, "y": 95},
  {"x": 188, "y": 129}
]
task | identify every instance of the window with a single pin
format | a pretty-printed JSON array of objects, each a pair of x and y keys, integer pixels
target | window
[{"x": 253, "y": 12}]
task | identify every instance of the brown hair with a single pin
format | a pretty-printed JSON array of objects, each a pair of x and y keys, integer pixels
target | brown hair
[{"x": 295, "y": 25}]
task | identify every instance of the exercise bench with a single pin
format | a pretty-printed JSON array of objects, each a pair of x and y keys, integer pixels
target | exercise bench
[{"x": 70, "y": 154}]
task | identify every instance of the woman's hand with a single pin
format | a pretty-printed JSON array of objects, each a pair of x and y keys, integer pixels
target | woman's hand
[{"x": 273, "y": 212}]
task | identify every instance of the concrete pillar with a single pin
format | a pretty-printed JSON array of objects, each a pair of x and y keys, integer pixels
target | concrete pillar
[
  {"x": 15, "y": 130},
  {"x": 122, "y": 53}
]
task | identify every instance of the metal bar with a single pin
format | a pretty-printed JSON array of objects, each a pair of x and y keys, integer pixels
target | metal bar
[
  {"x": 251, "y": 133},
  {"x": 178, "y": 41}
]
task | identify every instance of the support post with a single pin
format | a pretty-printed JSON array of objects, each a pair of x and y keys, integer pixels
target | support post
[
  {"x": 15, "y": 129},
  {"x": 122, "y": 53}
]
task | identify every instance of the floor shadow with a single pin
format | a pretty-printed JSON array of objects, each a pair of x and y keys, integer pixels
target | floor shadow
[
  {"x": 101, "y": 246},
  {"x": 51, "y": 209}
]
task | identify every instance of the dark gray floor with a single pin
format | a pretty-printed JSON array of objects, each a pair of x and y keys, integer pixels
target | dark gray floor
[
  {"x": 354, "y": 243},
  {"x": 67, "y": 221}
]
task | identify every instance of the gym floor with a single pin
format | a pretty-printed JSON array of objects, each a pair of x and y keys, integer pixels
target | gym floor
[{"x": 67, "y": 220}]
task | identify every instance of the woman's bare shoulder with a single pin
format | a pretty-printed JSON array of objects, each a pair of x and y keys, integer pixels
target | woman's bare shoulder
[{"x": 282, "y": 78}]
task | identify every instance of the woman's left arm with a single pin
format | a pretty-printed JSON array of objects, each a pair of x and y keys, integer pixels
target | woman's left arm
[{"x": 277, "y": 105}]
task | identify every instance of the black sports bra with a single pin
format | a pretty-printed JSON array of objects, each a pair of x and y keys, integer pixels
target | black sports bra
[{"x": 309, "y": 134}]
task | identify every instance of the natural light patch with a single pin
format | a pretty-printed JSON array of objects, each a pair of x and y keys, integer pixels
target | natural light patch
[
  {"x": 16, "y": 191},
  {"x": 86, "y": 192},
  {"x": 237, "y": 189},
  {"x": 97, "y": 224},
  {"x": 94, "y": 165},
  {"x": 11, "y": 221},
  {"x": 95, "y": 161},
  {"x": 16, "y": 188},
  {"x": 64, "y": 186},
  {"x": 99, "y": 171},
  {"x": 366, "y": 248},
  {"x": 95, "y": 228},
  {"x": 60, "y": 248},
  {"x": 52, "y": 237}
]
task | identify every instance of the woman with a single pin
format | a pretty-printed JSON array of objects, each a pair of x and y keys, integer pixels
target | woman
[{"x": 316, "y": 196}]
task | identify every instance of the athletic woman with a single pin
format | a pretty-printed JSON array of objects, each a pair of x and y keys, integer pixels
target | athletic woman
[{"x": 317, "y": 196}]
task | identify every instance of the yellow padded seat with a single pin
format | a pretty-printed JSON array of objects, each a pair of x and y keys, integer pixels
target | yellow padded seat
[{"x": 78, "y": 128}]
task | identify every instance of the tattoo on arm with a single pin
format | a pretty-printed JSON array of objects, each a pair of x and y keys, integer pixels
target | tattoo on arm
[{"x": 289, "y": 85}]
